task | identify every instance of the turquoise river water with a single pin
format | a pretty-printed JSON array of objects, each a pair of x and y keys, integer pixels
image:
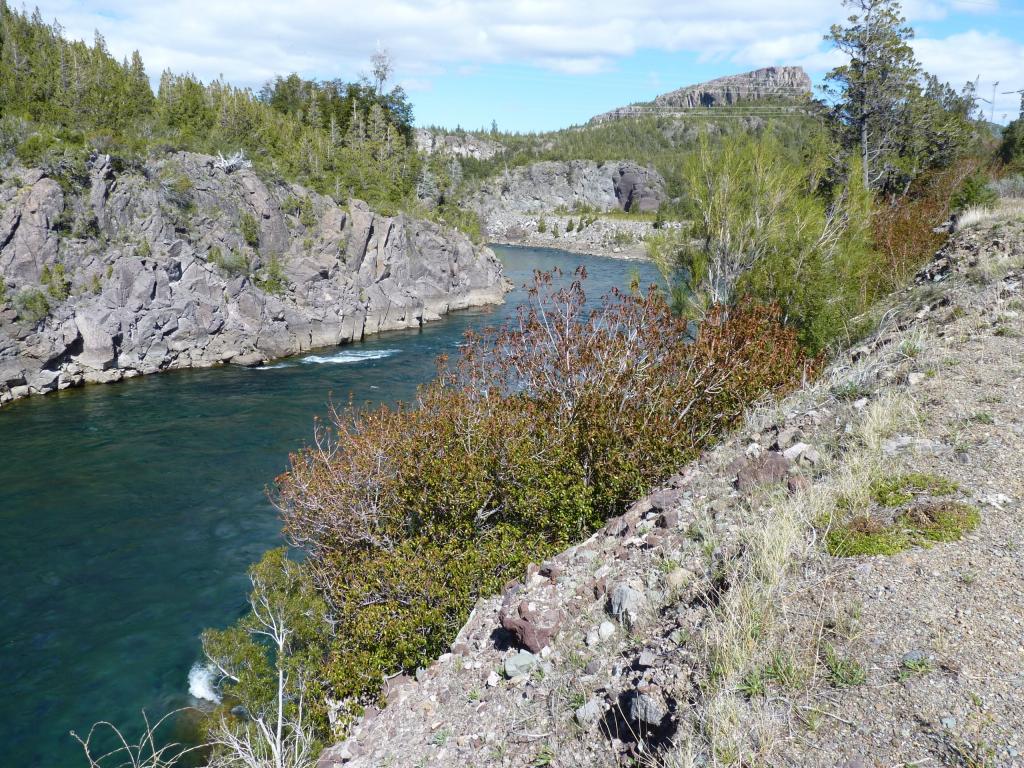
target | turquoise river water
[{"x": 131, "y": 511}]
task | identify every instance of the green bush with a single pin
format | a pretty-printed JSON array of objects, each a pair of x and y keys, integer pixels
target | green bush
[
  {"x": 272, "y": 278},
  {"x": 31, "y": 305},
  {"x": 249, "y": 229},
  {"x": 3, "y": 290},
  {"x": 1011, "y": 149},
  {"x": 32, "y": 150},
  {"x": 408, "y": 515},
  {"x": 974, "y": 191},
  {"x": 760, "y": 227},
  {"x": 56, "y": 281},
  {"x": 235, "y": 263}
]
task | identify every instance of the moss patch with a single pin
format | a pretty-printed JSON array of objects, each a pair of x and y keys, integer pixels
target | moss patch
[
  {"x": 940, "y": 521},
  {"x": 922, "y": 525},
  {"x": 901, "y": 489},
  {"x": 864, "y": 536}
]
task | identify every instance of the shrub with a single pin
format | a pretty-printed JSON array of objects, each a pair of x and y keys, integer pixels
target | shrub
[
  {"x": 272, "y": 278},
  {"x": 56, "y": 281},
  {"x": 761, "y": 228},
  {"x": 31, "y": 305},
  {"x": 540, "y": 433},
  {"x": 542, "y": 226},
  {"x": 235, "y": 263},
  {"x": 973, "y": 191},
  {"x": 3, "y": 290},
  {"x": 249, "y": 229}
]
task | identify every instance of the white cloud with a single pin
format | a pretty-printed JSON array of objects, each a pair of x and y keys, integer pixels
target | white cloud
[
  {"x": 249, "y": 43},
  {"x": 990, "y": 57}
]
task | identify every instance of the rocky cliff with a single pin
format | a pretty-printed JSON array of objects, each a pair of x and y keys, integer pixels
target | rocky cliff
[
  {"x": 460, "y": 145},
  {"x": 187, "y": 261},
  {"x": 774, "y": 83}
]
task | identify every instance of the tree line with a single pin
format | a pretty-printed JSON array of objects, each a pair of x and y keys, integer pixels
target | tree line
[{"x": 61, "y": 98}]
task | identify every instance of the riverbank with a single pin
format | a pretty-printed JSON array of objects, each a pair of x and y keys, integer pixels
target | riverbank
[
  {"x": 832, "y": 585},
  {"x": 191, "y": 262},
  {"x": 615, "y": 237}
]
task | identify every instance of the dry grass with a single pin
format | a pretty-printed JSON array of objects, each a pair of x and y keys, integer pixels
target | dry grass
[
  {"x": 1009, "y": 208},
  {"x": 746, "y": 634}
]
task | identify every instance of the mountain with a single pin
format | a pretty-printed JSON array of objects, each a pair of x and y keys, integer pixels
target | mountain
[{"x": 767, "y": 84}]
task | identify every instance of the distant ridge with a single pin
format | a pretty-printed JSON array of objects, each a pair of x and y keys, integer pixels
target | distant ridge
[{"x": 790, "y": 83}]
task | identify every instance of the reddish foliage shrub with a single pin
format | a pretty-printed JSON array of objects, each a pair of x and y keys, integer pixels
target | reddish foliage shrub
[
  {"x": 541, "y": 432},
  {"x": 904, "y": 231}
]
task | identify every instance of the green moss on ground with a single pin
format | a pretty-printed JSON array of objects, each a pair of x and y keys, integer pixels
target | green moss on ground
[
  {"x": 922, "y": 525},
  {"x": 901, "y": 489}
]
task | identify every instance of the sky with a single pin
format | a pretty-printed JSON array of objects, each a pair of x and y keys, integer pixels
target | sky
[{"x": 537, "y": 64}]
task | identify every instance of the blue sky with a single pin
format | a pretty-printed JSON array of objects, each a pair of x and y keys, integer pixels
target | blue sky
[{"x": 536, "y": 64}]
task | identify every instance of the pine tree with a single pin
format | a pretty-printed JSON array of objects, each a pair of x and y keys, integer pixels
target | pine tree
[{"x": 873, "y": 87}]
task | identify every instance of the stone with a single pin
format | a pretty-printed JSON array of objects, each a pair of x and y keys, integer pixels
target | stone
[
  {"x": 590, "y": 712},
  {"x": 626, "y": 603},
  {"x": 647, "y": 707},
  {"x": 646, "y": 659},
  {"x": 797, "y": 483},
  {"x": 786, "y": 437},
  {"x": 668, "y": 519},
  {"x": 769, "y": 468},
  {"x": 532, "y": 624},
  {"x": 605, "y": 630},
  {"x": 519, "y": 664},
  {"x": 493, "y": 679},
  {"x": 678, "y": 578}
]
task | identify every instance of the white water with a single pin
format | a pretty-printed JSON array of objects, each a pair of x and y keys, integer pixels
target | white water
[
  {"x": 201, "y": 683},
  {"x": 346, "y": 356}
]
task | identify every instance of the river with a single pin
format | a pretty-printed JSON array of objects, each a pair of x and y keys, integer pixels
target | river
[{"x": 131, "y": 511}]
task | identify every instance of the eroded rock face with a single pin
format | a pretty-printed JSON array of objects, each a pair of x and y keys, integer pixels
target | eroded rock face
[
  {"x": 578, "y": 184},
  {"x": 777, "y": 83},
  {"x": 161, "y": 272},
  {"x": 459, "y": 145}
]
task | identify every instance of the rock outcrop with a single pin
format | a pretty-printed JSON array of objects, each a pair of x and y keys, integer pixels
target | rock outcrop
[
  {"x": 772, "y": 83},
  {"x": 460, "y": 145},
  {"x": 572, "y": 185},
  {"x": 179, "y": 263}
]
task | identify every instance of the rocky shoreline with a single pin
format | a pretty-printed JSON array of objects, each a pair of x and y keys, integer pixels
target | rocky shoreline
[{"x": 192, "y": 261}]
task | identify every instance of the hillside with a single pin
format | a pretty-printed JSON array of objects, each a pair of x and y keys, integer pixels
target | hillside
[{"x": 835, "y": 584}]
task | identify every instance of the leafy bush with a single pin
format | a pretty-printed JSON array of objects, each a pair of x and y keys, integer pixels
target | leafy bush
[
  {"x": 974, "y": 191},
  {"x": 31, "y": 305},
  {"x": 761, "y": 228},
  {"x": 249, "y": 229},
  {"x": 3, "y": 290},
  {"x": 272, "y": 278},
  {"x": 56, "y": 281},
  {"x": 540, "y": 433},
  {"x": 235, "y": 263},
  {"x": 1011, "y": 150}
]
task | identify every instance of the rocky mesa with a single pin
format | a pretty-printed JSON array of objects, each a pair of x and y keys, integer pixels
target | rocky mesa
[
  {"x": 188, "y": 260},
  {"x": 768, "y": 83}
]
